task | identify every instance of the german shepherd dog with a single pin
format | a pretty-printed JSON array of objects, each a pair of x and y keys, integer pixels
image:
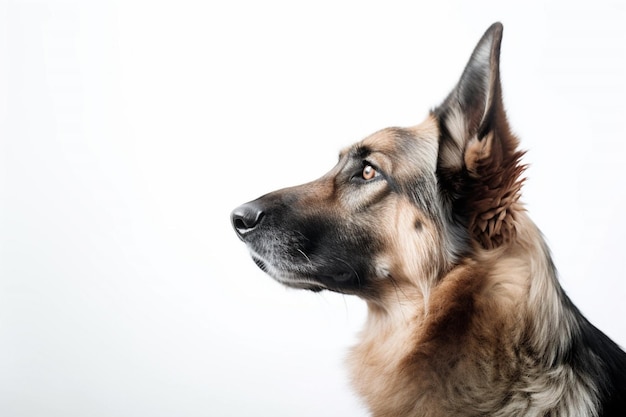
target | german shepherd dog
[{"x": 465, "y": 313}]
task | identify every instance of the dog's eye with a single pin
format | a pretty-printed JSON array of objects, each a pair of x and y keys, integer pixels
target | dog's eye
[{"x": 369, "y": 172}]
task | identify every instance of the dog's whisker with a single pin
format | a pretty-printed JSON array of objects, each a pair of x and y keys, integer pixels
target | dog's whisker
[{"x": 304, "y": 254}]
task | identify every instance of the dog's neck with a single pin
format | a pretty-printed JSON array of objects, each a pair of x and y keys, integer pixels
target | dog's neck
[{"x": 413, "y": 335}]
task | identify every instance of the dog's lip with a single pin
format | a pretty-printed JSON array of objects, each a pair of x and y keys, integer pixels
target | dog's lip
[
  {"x": 312, "y": 279},
  {"x": 309, "y": 281},
  {"x": 290, "y": 279}
]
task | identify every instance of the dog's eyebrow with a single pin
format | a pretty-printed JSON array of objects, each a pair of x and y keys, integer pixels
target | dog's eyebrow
[
  {"x": 359, "y": 152},
  {"x": 362, "y": 151},
  {"x": 356, "y": 152}
]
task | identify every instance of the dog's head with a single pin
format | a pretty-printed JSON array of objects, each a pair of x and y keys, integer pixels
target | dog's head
[{"x": 402, "y": 205}]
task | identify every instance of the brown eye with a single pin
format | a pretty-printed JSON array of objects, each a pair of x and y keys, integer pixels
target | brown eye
[{"x": 368, "y": 172}]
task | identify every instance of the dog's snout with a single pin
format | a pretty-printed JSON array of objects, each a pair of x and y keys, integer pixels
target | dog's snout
[{"x": 246, "y": 218}]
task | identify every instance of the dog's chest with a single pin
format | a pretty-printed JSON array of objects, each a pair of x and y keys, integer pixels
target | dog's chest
[{"x": 387, "y": 370}]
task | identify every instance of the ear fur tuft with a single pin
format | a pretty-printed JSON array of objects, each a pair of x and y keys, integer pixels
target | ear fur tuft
[{"x": 492, "y": 192}]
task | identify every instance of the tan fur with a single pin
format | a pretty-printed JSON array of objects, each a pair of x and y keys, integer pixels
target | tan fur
[{"x": 452, "y": 150}]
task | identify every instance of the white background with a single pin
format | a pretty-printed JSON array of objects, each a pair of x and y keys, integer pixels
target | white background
[{"x": 130, "y": 130}]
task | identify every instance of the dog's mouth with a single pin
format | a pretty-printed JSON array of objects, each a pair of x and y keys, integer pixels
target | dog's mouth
[{"x": 338, "y": 281}]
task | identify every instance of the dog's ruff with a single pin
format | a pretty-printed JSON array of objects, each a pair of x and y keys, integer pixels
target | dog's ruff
[{"x": 465, "y": 313}]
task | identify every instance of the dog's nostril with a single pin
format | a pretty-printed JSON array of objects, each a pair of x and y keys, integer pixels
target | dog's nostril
[
  {"x": 239, "y": 224},
  {"x": 246, "y": 218}
]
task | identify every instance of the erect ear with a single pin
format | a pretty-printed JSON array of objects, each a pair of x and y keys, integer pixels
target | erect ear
[
  {"x": 478, "y": 164},
  {"x": 471, "y": 110}
]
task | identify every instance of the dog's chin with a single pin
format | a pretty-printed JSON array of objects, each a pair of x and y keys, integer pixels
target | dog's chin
[{"x": 342, "y": 281}]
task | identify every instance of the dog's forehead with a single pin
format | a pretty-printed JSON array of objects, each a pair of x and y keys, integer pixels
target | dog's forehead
[
  {"x": 385, "y": 140},
  {"x": 417, "y": 145}
]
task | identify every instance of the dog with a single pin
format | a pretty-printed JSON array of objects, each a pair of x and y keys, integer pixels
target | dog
[{"x": 466, "y": 316}]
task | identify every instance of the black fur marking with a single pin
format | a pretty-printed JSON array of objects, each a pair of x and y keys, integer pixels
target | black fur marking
[{"x": 592, "y": 347}]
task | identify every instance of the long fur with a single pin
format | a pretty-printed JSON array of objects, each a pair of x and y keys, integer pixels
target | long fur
[{"x": 465, "y": 313}]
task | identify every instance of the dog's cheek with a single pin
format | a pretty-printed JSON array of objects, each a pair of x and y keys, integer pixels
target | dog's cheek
[{"x": 339, "y": 241}]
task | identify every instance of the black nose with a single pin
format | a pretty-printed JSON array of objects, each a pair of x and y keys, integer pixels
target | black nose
[{"x": 246, "y": 218}]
